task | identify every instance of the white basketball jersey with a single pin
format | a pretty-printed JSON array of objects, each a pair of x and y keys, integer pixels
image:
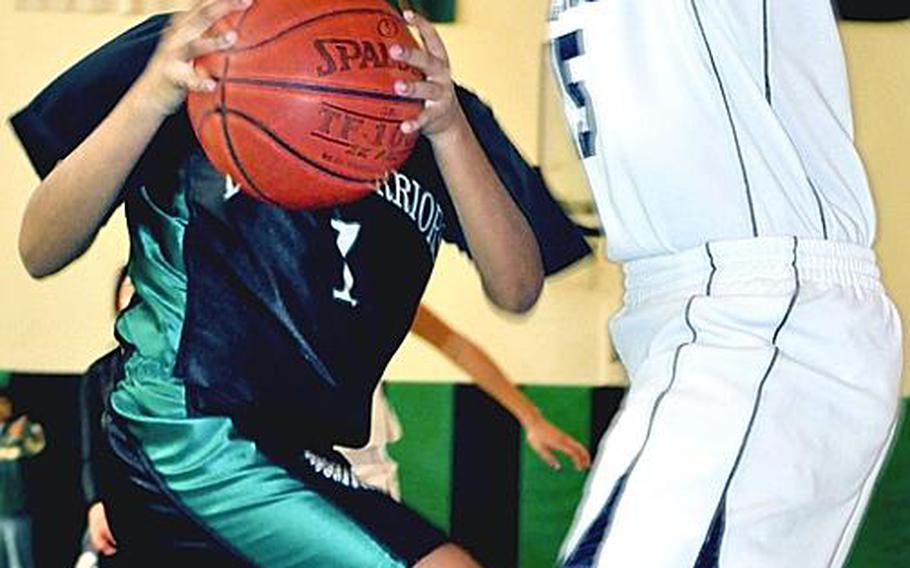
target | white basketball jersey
[{"x": 704, "y": 120}]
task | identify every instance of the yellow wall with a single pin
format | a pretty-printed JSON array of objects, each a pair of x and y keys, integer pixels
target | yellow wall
[
  {"x": 63, "y": 323},
  {"x": 878, "y": 57}
]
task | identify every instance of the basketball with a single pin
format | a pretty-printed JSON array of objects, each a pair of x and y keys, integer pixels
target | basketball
[{"x": 305, "y": 114}]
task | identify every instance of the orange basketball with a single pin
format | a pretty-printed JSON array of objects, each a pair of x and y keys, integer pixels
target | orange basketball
[{"x": 305, "y": 114}]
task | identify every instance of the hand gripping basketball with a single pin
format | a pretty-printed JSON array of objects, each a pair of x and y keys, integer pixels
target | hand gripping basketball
[
  {"x": 170, "y": 74},
  {"x": 437, "y": 90},
  {"x": 305, "y": 113}
]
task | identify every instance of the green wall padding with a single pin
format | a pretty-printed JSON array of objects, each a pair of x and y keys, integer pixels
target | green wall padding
[
  {"x": 424, "y": 453},
  {"x": 547, "y": 498}
]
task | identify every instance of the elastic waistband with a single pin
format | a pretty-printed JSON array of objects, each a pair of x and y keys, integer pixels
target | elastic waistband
[{"x": 775, "y": 257}]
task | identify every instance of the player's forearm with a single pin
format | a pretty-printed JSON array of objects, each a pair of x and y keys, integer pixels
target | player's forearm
[
  {"x": 490, "y": 378},
  {"x": 66, "y": 210},
  {"x": 501, "y": 242}
]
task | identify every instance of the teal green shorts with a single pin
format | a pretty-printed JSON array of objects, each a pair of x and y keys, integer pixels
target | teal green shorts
[{"x": 185, "y": 491}]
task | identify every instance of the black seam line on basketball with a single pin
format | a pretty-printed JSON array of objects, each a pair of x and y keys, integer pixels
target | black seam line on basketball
[
  {"x": 821, "y": 209},
  {"x": 197, "y": 126},
  {"x": 656, "y": 408},
  {"x": 287, "y": 147},
  {"x": 723, "y": 94},
  {"x": 224, "y": 125},
  {"x": 767, "y": 60},
  {"x": 309, "y": 21},
  {"x": 365, "y": 115},
  {"x": 239, "y": 163},
  {"x": 316, "y": 88},
  {"x": 758, "y": 397},
  {"x": 327, "y": 138},
  {"x": 235, "y": 157},
  {"x": 227, "y": 62}
]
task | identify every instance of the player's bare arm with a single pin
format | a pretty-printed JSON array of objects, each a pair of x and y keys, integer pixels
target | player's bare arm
[
  {"x": 66, "y": 210},
  {"x": 543, "y": 436},
  {"x": 501, "y": 242}
]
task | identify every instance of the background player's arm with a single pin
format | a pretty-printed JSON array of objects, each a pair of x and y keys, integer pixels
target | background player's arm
[
  {"x": 68, "y": 207},
  {"x": 543, "y": 437},
  {"x": 501, "y": 241},
  {"x": 99, "y": 530}
]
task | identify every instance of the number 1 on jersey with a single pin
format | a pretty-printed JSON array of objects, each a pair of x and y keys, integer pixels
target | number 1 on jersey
[{"x": 347, "y": 235}]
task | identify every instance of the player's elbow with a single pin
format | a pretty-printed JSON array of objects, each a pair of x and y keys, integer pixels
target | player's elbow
[
  {"x": 47, "y": 243},
  {"x": 34, "y": 268},
  {"x": 527, "y": 297},
  {"x": 36, "y": 257},
  {"x": 520, "y": 295},
  {"x": 30, "y": 257}
]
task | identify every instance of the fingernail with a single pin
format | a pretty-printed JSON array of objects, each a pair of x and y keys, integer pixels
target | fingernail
[
  {"x": 230, "y": 37},
  {"x": 396, "y": 51},
  {"x": 401, "y": 87},
  {"x": 407, "y": 127},
  {"x": 408, "y": 15}
]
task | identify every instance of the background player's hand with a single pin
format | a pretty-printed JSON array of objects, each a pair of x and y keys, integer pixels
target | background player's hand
[
  {"x": 17, "y": 428},
  {"x": 99, "y": 531},
  {"x": 441, "y": 109},
  {"x": 170, "y": 75},
  {"x": 545, "y": 439}
]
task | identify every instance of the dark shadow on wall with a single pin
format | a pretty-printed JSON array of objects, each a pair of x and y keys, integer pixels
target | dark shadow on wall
[{"x": 52, "y": 477}]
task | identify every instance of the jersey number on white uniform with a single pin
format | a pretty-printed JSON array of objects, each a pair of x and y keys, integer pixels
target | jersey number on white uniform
[
  {"x": 565, "y": 48},
  {"x": 347, "y": 235}
]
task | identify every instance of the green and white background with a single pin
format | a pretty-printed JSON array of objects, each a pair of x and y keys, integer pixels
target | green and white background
[{"x": 463, "y": 463}]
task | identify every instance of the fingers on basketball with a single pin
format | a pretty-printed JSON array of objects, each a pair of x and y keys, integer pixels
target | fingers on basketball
[
  {"x": 200, "y": 19},
  {"x": 210, "y": 44},
  {"x": 194, "y": 38},
  {"x": 419, "y": 89},
  {"x": 428, "y": 35}
]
